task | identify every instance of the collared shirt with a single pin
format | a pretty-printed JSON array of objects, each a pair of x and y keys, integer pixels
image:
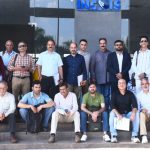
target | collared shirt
[
  {"x": 144, "y": 101},
  {"x": 50, "y": 61},
  {"x": 26, "y": 61},
  {"x": 143, "y": 63},
  {"x": 120, "y": 60},
  {"x": 69, "y": 103},
  {"x": 123, "y": 103},
  {"x": 7, "y": 104},
  {"x": 7, "y": 56},
  {"x": 31, "y": 100},
  {"x": 98, "y": 67},
  {"x": 97, "y": 100},
  {"x": 87, "y": 57},
  {"x": 73, "y": 67}
]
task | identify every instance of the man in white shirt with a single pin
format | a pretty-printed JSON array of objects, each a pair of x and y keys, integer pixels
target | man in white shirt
[
  {"x": 141, "y": 62},
  {"x": 50, "y": 69},
  {"x": 7, "y": 109},
  {"x": 144, "y": 107},
  {"x": 66, "y": 111}
]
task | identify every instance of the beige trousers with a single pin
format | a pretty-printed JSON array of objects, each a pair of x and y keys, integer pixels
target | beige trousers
[
  {"x": 57, "y": 117},
  {"x": 143, "y": 119}
]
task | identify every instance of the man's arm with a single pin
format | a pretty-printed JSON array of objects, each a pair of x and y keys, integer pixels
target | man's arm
[
  {"x": 60, "y": 71},
  {"x": 39, "y": 72},
  {"x": 83, "y": 108}
]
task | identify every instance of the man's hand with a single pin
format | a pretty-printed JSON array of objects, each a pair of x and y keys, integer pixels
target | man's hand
[
  {"x": 95, "y": 115},
  {"x": 40, "y": 77},
  {"x": 119, "y": 76},
  {"x": 39, "y": 108},
  {"x": 119, "y": 116},
  {"x": 17, "y": 68},
  {"x": 2, "y": 117},
  {"x": 132, "y": 117},
  {"x": 33, "y": 109}
]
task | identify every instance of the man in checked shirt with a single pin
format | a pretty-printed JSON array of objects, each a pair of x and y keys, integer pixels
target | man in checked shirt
[{"x": 21, "y": 65}]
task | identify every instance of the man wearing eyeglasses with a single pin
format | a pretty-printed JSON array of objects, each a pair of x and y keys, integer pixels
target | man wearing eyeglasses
[
  {"x": 141, "y": 63},
  {"x": 21, "y": 65},
  {"x": 118, "y": 65}
]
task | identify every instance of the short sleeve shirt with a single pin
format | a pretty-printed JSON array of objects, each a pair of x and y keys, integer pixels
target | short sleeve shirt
[
  {"x": 31, "y": 100},
  {"x": 50, "y": 61},
  {"x": 97, "y": 101}
]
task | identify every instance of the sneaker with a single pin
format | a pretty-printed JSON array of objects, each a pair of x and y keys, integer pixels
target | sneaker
[
  {"x": 44, "y": 129},
  {"x": 84, "y": 138},
  {"x": 144, "y": 139},
  {"x": 114, "y": 139},
  {"x": 13, "y": 139},
  {"x": 135, "y": 139},
  {"x": 106, "y": 138},
  {"x": 77, "y": 137},
  {"x": 52, "y": 138}
]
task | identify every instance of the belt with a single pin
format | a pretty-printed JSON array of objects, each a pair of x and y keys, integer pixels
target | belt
[
  {"x": 21, "y": 77},
  {"x": 47, "y": 76}
]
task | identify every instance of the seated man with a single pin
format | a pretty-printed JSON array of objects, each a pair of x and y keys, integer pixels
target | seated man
[
  {"x": 144, "y": 107},
  {"x": 90, "y": 99},
  {"x": 124, "y": 104},
  {"x": 66, "y": 111},
  {"x": 40, "y": 99},
  {"x": 7, "y": 109}
]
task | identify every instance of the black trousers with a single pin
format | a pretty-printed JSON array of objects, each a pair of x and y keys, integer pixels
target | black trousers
[
  {"x": 48, "y": 86},
  {"x": 12, "y": 123}
]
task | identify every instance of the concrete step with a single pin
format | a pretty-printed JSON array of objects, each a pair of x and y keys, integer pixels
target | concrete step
[{"x": 65, "y": 140}]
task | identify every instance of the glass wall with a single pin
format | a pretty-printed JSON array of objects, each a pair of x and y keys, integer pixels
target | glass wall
[{"x": 61, "y": 29}]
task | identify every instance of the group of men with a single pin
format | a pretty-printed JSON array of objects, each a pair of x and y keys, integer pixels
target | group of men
[{"x": 90, "y": 81}]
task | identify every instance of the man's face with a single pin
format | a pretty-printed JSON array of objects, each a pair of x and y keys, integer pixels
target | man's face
[
  {"x": 83, "y": 46},
  {"x": 36, "y": 89},
  {"x": 103, "y": 45},
  {"x": 92, "y": 88},
  {"x": 145, "y": 85},
  {"x": 9, "y": 46},
  {"x": 122, "y": 84},
  {"x": 50, "y": 46},
  {"x": 3, "y": 89},
  {"x": 63, "y": 91},
  {"x": 22, "y": 47},
  {"x": 73, "y": 48},
  {"x": 118, "y": 46},
  {"x": 143, "y": 43}
]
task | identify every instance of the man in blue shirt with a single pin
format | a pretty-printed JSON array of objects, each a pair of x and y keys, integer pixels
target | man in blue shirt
[
  {"x": 74, "y": 65},
  {"x": 37, "y": 98}
]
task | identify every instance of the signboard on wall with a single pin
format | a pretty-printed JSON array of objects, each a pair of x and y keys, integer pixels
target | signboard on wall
[{"x": 99, "y": 5}]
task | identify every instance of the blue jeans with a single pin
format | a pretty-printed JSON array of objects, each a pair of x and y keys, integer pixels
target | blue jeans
[
  {"x": 47, "y": 113},
  {"x": 104, "y": 89},
  {"x": 84, "y": 117},
  {"x": 135, "y": 123}
]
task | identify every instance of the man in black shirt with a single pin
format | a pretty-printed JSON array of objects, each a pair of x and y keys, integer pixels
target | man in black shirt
[{"x": 124, "y": 104}]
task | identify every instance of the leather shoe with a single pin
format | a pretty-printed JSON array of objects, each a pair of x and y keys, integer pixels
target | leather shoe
[{"x": 13, "y": 139}]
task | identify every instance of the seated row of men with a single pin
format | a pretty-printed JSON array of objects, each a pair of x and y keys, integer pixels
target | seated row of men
[{"x": 65, "y": 109}]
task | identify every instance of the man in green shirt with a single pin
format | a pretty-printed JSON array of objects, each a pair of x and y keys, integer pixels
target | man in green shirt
[{"x": 93, "y": 99}]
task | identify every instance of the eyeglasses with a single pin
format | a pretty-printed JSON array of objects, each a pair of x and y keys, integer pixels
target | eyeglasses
[
  {"x": 143, "y": 41},
  {"x": 22, "y": 46},
  {"x": 118, "y": 44}
]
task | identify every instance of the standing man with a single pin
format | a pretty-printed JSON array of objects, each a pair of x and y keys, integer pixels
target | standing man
[
  {"x": 124, "y": 104},
  {"x": 144, "y": 108},
  {"x": 37, "y": 101},
  {"x": 50, "y": 69},
  {"x": 141, "y": 62},
  {"x": 21, "y": 66},
  {"x": 7, "y": 55},
  {"x": 118, "y": 65},
  {"x": 74, "y": 65},
  {"x": 99, "y": 73},
  {"x": 83, "y": 51},
  {"x": 7, "y": 109}
]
